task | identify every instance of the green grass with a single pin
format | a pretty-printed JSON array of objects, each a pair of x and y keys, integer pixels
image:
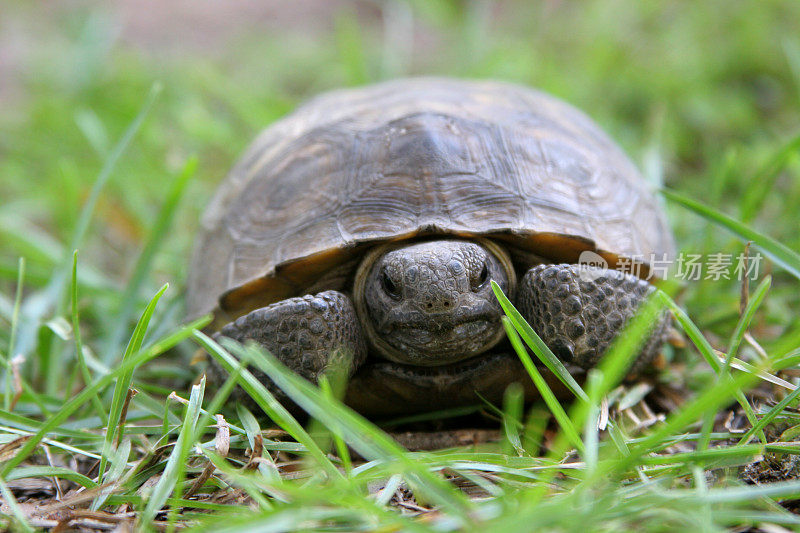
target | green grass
[{"x": 113, "y": 151}]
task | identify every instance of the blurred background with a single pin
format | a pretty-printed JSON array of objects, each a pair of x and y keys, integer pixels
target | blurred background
[{"x": 704, "y": 97}]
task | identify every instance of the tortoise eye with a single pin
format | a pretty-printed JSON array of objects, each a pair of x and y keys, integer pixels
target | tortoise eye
[
  {"x": 390, "y": 286},
  {"x": 479, "y": 282}
]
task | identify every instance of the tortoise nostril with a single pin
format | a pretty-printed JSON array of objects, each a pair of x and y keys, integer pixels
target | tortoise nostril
[{"x": 439, "y": 305}]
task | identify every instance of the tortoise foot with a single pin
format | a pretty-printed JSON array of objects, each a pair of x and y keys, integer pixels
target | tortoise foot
[
  {"x": 578, "y": 310},
  {"x": 307, "y": 333}
]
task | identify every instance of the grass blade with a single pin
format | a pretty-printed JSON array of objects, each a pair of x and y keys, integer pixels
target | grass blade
[
  {"x": 744, "y": 321},
  {"x": 770, "y": 416},
  {"x": 338, "y": 441},
  {"x": 541, "y": 385},
  {"x": 12, "y": 340},
  {"x": 789, "y": 490},
  {"x": 172, "y": 477},
  {"x": 124, "y": 382},
  {"x": 26, "y": 472},
  {"x": 253, "y": 432},
  {"x": 780, "y": 254},
  {"x": 118, "y": 463},
  {"x": 76, "y": 328},
  {"x": 513, "y": 407},
  {"x": 537, "y": 345}
]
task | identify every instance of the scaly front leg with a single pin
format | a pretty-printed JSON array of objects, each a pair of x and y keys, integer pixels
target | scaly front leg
[
  {"x": 577, "y": 310},
  {"x": 304, "y": 333}
]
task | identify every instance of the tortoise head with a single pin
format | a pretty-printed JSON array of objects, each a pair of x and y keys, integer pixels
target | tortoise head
[{"x": 431, "y": 303}]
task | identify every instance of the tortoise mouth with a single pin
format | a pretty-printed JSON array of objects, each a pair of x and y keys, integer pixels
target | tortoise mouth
[
  {"x": 438, "y": 374},
  {"x": 438, "y": 345}
]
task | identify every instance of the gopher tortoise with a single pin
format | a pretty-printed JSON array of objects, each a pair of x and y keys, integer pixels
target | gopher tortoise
[{"x": 370, "y": 222}]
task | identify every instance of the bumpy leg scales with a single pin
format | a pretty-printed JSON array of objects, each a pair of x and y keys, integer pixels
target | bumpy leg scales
[
  {"x": 304, "y": 333},
  {"x": 577, "y": 310}
]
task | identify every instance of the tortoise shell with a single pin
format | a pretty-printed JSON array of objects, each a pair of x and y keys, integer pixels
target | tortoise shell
[{"x": 410, "y": 158}]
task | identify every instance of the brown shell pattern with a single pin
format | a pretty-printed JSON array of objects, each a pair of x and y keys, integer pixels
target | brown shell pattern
[{"x": 410, "y": 157}]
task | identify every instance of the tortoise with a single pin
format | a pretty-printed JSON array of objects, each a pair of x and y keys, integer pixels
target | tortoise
[{"x": 370, "y": 222}]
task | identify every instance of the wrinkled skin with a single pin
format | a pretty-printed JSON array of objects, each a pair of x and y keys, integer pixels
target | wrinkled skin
[{"x": 422, "y": 326}]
